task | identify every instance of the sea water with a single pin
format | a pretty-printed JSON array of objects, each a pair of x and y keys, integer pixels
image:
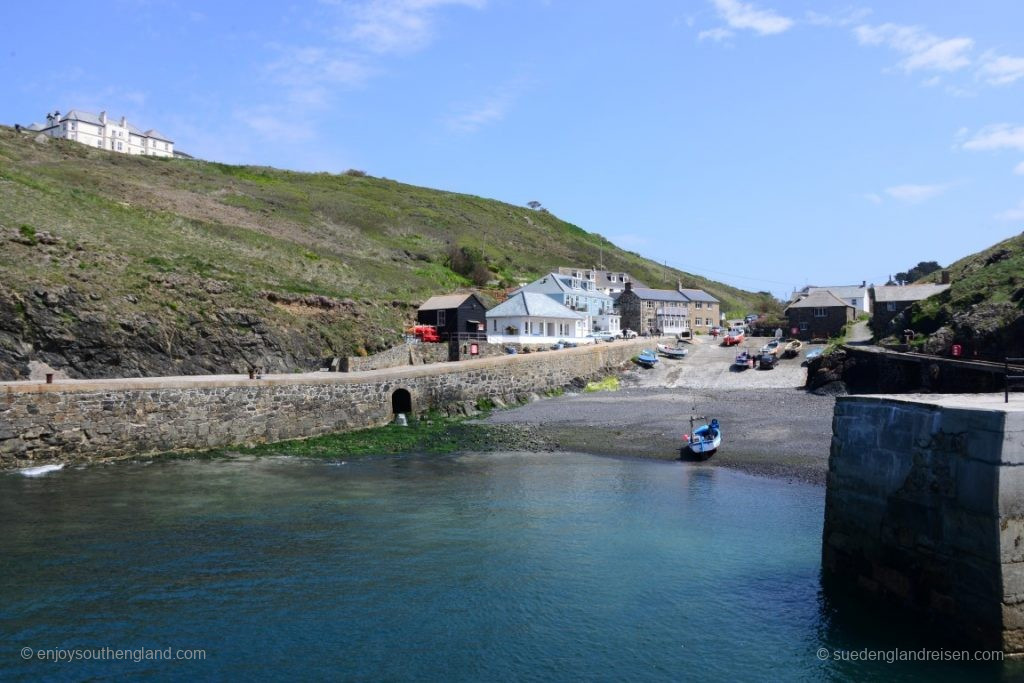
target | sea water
[{"x": 559, "y": 567}]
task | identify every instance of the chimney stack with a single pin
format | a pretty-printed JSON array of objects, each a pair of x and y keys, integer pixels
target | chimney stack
[
  {"x": 945, "y": 277},
  {"x": 103, "y": 117},
  {"x": 629, "y": 286},
  {"x": 124, "y": 121},
  {"x": 863, "y": 283}
]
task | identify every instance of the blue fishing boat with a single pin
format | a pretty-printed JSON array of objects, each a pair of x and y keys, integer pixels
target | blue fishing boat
[
  {"x": 704, "y": 440},
  {"x": 647, "y": 358}
]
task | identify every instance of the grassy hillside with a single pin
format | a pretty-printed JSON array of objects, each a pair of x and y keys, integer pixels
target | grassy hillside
[
  {"x": 983, "y": 310},
  {"x": 121, "y": 265}
]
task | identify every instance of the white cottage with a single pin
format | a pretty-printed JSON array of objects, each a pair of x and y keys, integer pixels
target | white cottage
[{"x": 533, "y": 318}]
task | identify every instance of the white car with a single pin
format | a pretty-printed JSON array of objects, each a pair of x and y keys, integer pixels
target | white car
[
  {"x": 601, "y": 336},
  {"x": 628, "y": 334}
]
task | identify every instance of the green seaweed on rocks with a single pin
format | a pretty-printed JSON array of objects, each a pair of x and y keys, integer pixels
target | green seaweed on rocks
[{"x": 434, "y": 434}]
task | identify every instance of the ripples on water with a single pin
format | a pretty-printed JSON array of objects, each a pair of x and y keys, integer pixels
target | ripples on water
[{"x": 482, "y": 567}]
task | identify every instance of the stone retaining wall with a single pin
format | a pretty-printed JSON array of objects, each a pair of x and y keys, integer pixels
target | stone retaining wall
[
  {"x": 925, "y": 508},
  {"x": 396, "y": 357},
  {"x": 91, "y": 419}
]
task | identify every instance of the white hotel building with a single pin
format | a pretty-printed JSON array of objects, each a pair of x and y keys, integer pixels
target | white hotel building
[{"x": 105, "y": 133}]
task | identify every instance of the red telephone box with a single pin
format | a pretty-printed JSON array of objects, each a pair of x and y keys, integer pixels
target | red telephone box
[{"x": 957, "y": 350}]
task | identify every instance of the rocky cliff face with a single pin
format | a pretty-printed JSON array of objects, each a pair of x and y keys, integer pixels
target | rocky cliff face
[
  {"x": 89, "y": 336},
  {"x": 982, "y": 311}
]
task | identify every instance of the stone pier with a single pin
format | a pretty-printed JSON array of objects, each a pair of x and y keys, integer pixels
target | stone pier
[{"x": 925, "y": 509}]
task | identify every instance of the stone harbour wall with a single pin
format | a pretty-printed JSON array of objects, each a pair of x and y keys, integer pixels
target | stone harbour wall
[
  {"x": 925, "y": 508},
  {"x": 81, "y": 420},
  {"x": 397, "y": 356}
]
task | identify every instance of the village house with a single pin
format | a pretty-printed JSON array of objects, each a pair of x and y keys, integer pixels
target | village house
[
  {"x": 456, "y": 316},
  {"x": 891, "y": 300},
  {"x": 705, "y": 310},
  {"x": 606, "y": 281},
  {"x": 533, "y": 318},
  {"x": 857, "y": 296},
  {"x": 581, "y": 295},
  {"x": 819, "y": 315},
  {"x": 103, "y": 132},
  {"x": 666, "y": 311}
]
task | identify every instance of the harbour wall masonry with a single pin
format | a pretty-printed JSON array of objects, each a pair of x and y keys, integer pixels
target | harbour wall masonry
[
  {"x": 81, "y": 420},
  {"x": 924, "y": 508}
]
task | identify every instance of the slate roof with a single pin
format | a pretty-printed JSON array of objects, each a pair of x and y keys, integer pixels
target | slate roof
[
  {"x": 698, "y": 295},
  {"x": 84, "y": 116},
  {"x": 819, "y": 298},
  {"x": 532, "y": 304},
  {"x": 659, "y": 295},
  {"x": 844, "y": 291},
  {"x": 886, "y": 293},
  {"x": 441, "y": 303}
]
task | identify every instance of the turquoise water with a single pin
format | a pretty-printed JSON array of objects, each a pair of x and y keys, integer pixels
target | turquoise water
[{"x": 473, "y": 567}]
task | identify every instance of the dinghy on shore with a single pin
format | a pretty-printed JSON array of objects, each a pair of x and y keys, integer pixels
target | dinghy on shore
[{"x": 704, "y": 440}]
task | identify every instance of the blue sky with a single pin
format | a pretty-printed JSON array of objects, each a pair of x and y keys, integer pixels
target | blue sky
[{"x": 765, "y": 144}]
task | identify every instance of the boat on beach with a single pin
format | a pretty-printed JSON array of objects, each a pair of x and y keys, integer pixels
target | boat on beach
[
  {"x": 735, "y": 336},
  {"x": 647, "y": 359},
  {"x": 792, "y": 348},
  {"x": 672, "y": 351},
  {"x": 772, "y": 348},
  {"x": 743, "y": 360},
  {"x": 704, "y": 440}
]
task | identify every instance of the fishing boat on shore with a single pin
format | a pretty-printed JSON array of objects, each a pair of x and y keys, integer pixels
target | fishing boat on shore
[
  {"x": 704, "y": 440},
  {"x": 735, "y": 336},
  {"x": 773, "y": 348},
  {"x": 647, "y": 359},
  {"x": 743, "y": 360},
  {"x": 792, "y": 348},
  {"x": 672, "y": 351}
]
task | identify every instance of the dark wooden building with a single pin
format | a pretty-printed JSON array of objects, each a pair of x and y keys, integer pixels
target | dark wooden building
[
  {"x": 456, "y": 316},
  {"x": 819, "y": 315}
]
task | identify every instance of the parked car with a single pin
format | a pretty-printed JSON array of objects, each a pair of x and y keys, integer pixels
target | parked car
[
  {"x": 628, "y": 334},
  {"x": 601, "y": 336},
  {"x": 812, "y": 354}
]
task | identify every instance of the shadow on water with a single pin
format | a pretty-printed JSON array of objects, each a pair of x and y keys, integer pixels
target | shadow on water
[{"x": 866, "y": 635}]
